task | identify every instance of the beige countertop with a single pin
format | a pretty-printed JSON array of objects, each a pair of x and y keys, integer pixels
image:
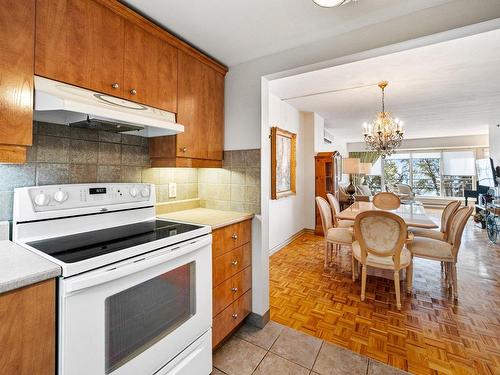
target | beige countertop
[
  {"x": 206, "y": 216},
  {"x": 20, "y": 267}
]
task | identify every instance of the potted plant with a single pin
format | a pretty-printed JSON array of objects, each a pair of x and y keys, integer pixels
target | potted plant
[{"x": 480, "y": 217}]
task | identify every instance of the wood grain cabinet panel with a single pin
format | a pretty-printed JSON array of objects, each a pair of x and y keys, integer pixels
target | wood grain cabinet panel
[
  {"x": 231, "y": 263},
  {"x": 231, "y": 317},
  {"x": 80, "y": 42},
  {"x": 230, "y": 237},
  {"x": 230, "y": 290},
  {"x": 27, "y": 330},
  {"x": 17, "y": 35},
  {"x": 150, "y": 69}
]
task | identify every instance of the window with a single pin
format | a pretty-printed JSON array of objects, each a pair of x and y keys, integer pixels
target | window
[
  {"x": 429, "y": 173},
  {"x": 426, "y": 173},
  {"x": 397, "y": 169},
  {"x": 458, "y": 172}
]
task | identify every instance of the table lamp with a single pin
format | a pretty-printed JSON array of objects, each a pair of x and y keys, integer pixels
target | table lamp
[
  {"x": 351, "y": 166},
  {"x": 365, "y": 169}
]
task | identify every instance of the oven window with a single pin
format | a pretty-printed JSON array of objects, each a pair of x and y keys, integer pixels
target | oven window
[{"x": 138, "y": 317}]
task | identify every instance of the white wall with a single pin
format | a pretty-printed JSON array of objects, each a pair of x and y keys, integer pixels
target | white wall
[
  {"x": 285, "y": 214},
  {"x": 494, "y": 143},
  {"x": 243, "y": 82},
  {"x": 428, "y": 143}
]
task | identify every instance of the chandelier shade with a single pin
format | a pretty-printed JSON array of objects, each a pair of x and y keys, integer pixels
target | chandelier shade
[{"x": 385, "y": 134}]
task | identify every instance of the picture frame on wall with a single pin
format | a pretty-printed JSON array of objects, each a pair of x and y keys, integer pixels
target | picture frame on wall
[{"x": 283, "y": 163}]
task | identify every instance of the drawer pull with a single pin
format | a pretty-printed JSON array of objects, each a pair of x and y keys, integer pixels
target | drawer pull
[
  {"x": 115, "y": 85},
  {"x": 133, "y": 92},
  {"x": 234, "y": 290},
  {"x": 235, "y": 316},
  {"x": 234, "y": 236},
  {"x": 234, "y": 263}
]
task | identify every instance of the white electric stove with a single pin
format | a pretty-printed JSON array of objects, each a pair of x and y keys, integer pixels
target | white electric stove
[{"x": 135, "y": 292}]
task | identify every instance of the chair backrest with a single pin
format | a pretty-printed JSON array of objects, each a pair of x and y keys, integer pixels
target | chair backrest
[
  {"x": 457, "y": 225},
  {"x": 381, "y": 233},
  {"x": 404, "y": 188},
  {"x": 326, "y": 214},
  {"x": 335, "y": 207},
  {"x": 448, "y": 212},
  {"x": 386, "y": 201}
]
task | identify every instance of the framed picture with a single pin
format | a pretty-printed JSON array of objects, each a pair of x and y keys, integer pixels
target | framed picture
[{"x": 283, "y": 163}]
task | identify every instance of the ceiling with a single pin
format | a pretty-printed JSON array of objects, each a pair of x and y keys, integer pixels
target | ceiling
[
  {"x": 445, "y": 89},
  {"x": 236, "y": 31}
]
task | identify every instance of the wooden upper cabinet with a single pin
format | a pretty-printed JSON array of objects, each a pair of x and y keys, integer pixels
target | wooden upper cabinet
[
  {"x": 150, "y": 70},
  {"x": 200, "y": 109},
  {"x": 17, "y": 31},
  {"x": 80, "y": 42}
]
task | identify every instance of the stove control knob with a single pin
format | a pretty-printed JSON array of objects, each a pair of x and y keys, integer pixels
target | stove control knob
[
  {"x": 134, "y": 192},
  {"x": 42, "y": 199},
  {"x": 60, "y": 196},
  {"x": 145, "y": 193}
]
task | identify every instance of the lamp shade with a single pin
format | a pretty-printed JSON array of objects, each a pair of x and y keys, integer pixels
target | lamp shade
[
  {"x": 330, "y": 3},
  {"x": 365, "y": 168},
  {"x": 351, "y": 165}
]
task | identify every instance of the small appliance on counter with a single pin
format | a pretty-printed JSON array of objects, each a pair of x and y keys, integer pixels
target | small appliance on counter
[{"x": 135, "y": 295}]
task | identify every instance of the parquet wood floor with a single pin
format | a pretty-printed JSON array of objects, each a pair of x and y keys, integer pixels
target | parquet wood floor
[{"x": 430, "y": 335}]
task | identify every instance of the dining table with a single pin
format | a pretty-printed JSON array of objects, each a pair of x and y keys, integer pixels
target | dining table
[{"x": 413, "y": 214}]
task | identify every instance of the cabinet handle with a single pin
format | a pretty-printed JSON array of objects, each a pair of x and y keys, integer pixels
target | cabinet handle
[
  {"x": 235, "y": 316},
  {"x": 184, "y": 149},
  {"x": 115, "y": 85},
  {"x": 234, "y": 236},
  {"x": 234, "y": 290},
  {"x": 234, "y": 263},
  {"x": 133, "y": 91}
]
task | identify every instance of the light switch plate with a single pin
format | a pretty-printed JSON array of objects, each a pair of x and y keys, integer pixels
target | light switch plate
[{"x": 172, "y": 190}]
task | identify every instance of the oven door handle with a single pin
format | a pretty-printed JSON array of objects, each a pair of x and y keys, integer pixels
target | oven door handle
[{"x": 135, "y": 265}]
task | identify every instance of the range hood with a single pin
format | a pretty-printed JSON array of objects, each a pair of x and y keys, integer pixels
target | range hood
[{"x": 65, "y": 104}]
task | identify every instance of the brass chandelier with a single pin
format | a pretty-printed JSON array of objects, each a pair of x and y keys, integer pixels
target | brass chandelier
[{"x": 384, "y": 135}]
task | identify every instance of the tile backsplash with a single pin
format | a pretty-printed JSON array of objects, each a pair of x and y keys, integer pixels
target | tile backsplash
[
  {"x": 61, "y": 154},
  {"x": 234, "y": 187}
]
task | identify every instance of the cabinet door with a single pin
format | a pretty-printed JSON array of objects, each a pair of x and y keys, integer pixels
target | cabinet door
[
  {"x": 80, "y": 42},
  {"x": 150, "y": 70},
  {"x": 200, "y": 110},
  {"x": 17, "y": 31},
  {"x": 27, "y": 330}
]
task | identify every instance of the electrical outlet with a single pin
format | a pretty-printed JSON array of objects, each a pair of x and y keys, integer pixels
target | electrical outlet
[{"x": 172, "y": 190}]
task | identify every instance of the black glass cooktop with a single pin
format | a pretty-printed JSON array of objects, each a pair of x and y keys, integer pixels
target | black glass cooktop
[{"x": 77, "y": 247}]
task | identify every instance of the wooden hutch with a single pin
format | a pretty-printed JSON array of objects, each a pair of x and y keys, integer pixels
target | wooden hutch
[{"x": 328, "y": 166}]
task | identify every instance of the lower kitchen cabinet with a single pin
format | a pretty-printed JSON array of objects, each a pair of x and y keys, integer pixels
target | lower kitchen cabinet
[
  {"x": 27, "y": 330},
  {"x": 232, "y": 278}
]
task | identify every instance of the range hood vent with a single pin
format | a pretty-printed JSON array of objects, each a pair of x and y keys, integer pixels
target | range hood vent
[{"x": 61, "y": 103}]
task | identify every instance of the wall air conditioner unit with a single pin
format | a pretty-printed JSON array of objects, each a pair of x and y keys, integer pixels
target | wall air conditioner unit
[{"x": 327, "y": 136}]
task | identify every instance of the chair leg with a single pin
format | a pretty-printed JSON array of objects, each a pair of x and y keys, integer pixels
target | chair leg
[
  {"x": 454, "y": 280},
  {"x": 396, "y": 286},
  {"x": 363, "y": 281},
  {"x": 353, "y": 269},
  {"x": 409, "y": 277},
  {"x": 326, "y": 256}
]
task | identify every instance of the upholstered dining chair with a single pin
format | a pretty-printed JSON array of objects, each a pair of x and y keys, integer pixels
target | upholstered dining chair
[
  {"x": 445, "y": 251},
  {"x": 386, "y": 201},
  {"x": 381, "y": 243},
  {"x": 405, "y": 191},
  {"x": 333, "y": 236},
  {"x": 335, "y": 206},
  {"x": 442, "y": 233}
]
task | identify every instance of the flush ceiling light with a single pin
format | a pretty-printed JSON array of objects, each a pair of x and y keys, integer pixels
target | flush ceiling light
[{"x": 330, "y": 3}]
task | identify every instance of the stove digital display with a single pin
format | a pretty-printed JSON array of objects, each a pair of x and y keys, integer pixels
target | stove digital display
[{"x": 100, "y": 190}]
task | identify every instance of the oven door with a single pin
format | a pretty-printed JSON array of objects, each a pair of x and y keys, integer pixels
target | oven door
[{"x": 134, "y": 317}]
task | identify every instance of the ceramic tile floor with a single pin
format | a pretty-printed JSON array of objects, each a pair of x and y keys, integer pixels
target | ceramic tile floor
[{"x": 280, "y": 350}]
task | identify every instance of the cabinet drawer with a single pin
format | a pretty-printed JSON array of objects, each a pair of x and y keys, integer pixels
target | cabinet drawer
[
  {"x": 229, "y": 264},
  {"x": 228, "y": 238},
  {"x": 230, "y": 317},
  {"x": 230, "y": 290}
]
